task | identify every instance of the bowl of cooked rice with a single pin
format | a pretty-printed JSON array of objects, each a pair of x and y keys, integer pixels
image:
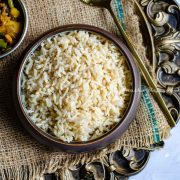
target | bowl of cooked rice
[{"x": 77, "y": 88}]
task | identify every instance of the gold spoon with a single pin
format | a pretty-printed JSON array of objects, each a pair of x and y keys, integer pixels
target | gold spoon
[{"x": 144, "y": 71}]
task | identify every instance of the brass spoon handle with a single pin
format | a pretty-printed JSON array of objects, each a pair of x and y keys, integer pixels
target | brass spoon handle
[{"x": 143, "y": 69}]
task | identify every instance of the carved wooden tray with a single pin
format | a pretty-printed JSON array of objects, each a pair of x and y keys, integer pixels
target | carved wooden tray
[{"x": 160, "y": 24}]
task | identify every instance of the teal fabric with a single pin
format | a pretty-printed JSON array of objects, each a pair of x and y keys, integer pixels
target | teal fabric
[
  {"x": 145, "y": 92},
  {"x": 119, "y": 10},
  {"x": 151, "y": 113}
]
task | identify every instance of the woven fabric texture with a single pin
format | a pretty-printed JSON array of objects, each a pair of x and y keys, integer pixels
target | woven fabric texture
[{"x": 21, "y": 156}]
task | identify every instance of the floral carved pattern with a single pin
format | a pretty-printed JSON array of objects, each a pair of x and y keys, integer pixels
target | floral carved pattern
[{"x": 163, "y": 21}]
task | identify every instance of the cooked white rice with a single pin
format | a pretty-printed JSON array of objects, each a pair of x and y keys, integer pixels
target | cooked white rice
[{"x": 75, "y": 86}]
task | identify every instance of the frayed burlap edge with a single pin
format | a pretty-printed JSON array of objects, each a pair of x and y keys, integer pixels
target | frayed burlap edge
[{"x": 61, "y": 167}]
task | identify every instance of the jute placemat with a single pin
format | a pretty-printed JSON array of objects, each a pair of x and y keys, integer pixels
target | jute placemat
[{"x": 21, "y": 156}]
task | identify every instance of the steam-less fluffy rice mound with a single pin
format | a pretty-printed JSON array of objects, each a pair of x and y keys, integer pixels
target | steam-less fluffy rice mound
[{"x": 75, "y": 86}]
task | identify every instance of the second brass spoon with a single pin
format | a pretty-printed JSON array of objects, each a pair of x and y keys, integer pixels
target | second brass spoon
[{"x": 144, "y": 71}]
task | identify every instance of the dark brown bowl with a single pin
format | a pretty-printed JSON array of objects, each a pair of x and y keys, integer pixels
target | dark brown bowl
[{"x": 107, "y": 138}]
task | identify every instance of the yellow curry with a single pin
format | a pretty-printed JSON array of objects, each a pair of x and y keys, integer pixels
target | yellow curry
[{"x": 10, "y": 24}]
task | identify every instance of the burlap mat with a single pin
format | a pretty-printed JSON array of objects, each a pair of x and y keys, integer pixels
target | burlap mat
[{"x": 21, "y": 156}]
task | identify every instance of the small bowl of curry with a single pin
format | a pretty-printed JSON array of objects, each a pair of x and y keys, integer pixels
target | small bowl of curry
[{"x": 13, "y": 25}]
